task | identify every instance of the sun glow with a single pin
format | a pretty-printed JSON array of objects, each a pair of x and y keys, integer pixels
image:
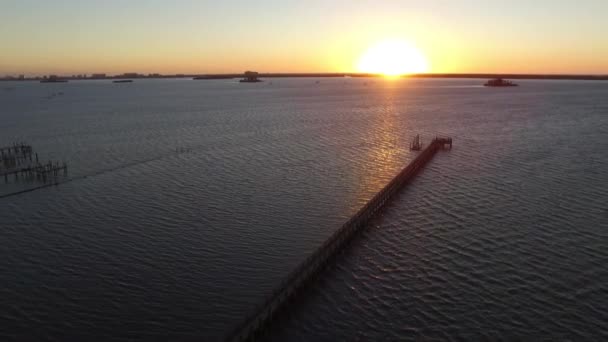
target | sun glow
[{"x": 393, "y": 58}]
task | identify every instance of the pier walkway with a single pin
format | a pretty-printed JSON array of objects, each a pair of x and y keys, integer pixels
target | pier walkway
[{"x": 254, "y": 327}]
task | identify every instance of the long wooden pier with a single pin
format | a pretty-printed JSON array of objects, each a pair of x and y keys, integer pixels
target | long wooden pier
[{"x": 254, "y": 326}]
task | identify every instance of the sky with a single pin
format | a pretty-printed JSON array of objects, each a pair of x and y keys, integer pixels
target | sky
[{"x": 230, "y": 36}]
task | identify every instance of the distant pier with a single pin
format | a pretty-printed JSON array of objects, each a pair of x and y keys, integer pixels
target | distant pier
[{"x": 255, "y": 326}]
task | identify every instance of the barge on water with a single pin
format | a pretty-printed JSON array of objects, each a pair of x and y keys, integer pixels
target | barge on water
[
  {"x": 499, "y": 82},
  {"x": 53, "y": 79},
  {"x": 250, "y": 77}
]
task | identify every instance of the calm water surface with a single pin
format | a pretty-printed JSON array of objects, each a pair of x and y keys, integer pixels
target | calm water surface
[{"x": 187, "y": 202}]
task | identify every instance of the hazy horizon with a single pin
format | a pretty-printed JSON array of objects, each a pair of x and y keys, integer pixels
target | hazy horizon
[
  {"x": 191, "y": 37},
  {"x": 152, "y": 74}
]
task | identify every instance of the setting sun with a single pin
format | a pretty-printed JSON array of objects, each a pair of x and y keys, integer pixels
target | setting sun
[{"x": 393, "y": 58}]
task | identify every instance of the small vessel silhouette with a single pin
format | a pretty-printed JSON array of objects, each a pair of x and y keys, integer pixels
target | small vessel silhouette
[
  {"x": 250, "y": 77},
  {"x": 499, "y": 82},
  {"x": 53, "y": 79}
]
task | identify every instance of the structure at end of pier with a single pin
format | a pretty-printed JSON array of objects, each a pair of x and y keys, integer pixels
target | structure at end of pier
[{"x": 443, "y": 142}]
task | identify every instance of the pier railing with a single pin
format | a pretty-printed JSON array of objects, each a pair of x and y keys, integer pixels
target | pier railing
[{"x": 255, "y": 325}]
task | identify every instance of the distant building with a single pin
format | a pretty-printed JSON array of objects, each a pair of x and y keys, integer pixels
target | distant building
[
  {"x": 130, "y": 75},
  {"x": 21, "y": 77},
  {"x": 98, "y": 76}
]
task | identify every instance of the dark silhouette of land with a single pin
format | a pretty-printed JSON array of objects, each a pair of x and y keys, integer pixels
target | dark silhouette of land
[
  {"x": 336, "y": 74},
  {"x": 450, "y": 75}
]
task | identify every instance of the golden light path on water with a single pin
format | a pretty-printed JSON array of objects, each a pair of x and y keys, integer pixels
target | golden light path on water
[{"x": 386, "y": 159}]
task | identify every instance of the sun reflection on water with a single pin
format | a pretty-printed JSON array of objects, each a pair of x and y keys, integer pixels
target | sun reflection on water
[{"x": 384, "y": 150}]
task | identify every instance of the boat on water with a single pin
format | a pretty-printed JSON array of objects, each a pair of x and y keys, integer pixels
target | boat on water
[
  {"x": 250, "y": 77},
  {"x": 499, "y": 82},
  {"x": 53, "y": 79},
  {"x": 416, "y": 145},
  {"x": 122, "y": 81}
]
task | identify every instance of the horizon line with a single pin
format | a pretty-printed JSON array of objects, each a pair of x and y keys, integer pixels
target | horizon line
[{"x": 313, "y": 74}]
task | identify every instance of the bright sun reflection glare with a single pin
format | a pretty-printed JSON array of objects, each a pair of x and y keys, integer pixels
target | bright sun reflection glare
[{"x": 393, "y": 57}]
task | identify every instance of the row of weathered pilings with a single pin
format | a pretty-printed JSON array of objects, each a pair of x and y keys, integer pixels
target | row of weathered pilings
[
  {"x": 15, "y": 155},
  {"x": 16, "y": 148},
  {"x": 38, "y": 171},
  {"x": 254, "y": 327},
  {"x": 19, "y": 160}
]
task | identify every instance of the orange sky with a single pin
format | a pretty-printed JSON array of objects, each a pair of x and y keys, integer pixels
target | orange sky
[{"x": 187, "y": 36}]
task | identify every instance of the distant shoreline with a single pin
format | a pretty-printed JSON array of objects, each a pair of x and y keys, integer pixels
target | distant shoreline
[{"x": 324, "y": 75}]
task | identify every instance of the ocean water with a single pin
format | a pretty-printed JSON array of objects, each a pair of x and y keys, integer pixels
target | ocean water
[{"x": 188, "y": 201}]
